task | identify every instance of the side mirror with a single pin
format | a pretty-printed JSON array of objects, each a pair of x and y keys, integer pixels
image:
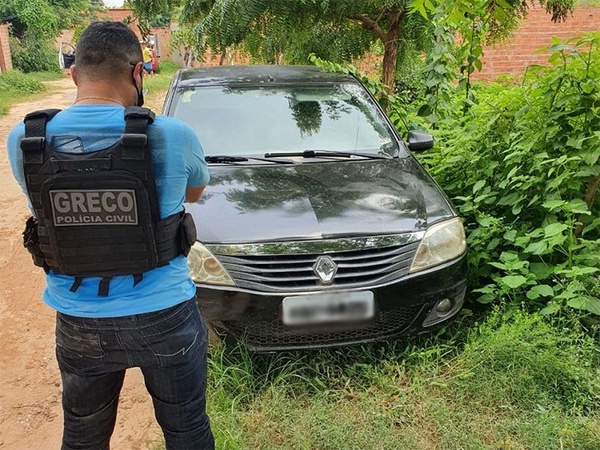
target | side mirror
[{"x": 419, "y": 140}]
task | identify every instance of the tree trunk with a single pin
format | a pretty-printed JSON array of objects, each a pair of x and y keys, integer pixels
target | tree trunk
[
  {"x": 390, "y": 48},
  {"x": 390, "y": 59},
  {"x": 389, "y": 40}
]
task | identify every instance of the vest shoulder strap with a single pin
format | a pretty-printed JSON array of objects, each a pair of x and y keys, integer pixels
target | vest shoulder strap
[
  {"x": 35, "y": 122},
  {"x": 137, "y": 119},
  {"x": 134, "y": 140},
  {"x": 35, "y": 130}
]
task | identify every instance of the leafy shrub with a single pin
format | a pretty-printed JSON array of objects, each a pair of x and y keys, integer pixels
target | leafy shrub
[
  {"x": 522, "y": 166},
  {"x": 29, "y": 56},
  {"x": 410, "y": 84}
]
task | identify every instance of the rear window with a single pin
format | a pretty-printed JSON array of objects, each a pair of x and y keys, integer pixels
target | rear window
[{"x": 255, "y": 120}]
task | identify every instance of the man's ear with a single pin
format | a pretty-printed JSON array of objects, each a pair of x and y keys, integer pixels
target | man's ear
[
  {"x": 73, "y": 71},
  {"x": 139, "y": 69}
]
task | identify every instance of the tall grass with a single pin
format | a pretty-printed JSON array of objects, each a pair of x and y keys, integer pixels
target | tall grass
[
  {"x": 158, "y": 84},
  {"x": 515, "y": 382},
  {"x": 16, "y": 86}
]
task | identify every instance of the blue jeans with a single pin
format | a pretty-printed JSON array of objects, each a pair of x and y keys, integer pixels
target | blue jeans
[{"x": 169, "y": 347}]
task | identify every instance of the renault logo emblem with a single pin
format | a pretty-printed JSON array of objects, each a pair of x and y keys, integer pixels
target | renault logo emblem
[{"x": 325, "y": 268}]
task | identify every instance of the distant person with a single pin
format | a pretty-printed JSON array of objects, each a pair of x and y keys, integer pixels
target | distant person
[
  {"x": 154, "y": 59},
  {"x": 106, "y": 181},
  {"x": 147, "y": 58}
]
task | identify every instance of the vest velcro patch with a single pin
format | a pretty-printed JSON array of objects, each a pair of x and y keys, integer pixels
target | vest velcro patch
[{"x": 83, "y": 207}]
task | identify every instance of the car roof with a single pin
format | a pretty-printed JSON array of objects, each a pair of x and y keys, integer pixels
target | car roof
[{"x": 259, "y": 75}]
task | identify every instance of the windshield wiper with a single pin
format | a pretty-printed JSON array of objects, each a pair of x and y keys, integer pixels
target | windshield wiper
[
  {"x": 224, "y": 159},
  {"x": 327, "y": 153},
  {"x": 235, "y": 159}
]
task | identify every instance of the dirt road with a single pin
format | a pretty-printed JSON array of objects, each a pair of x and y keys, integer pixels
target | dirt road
[{"x": 30, "y": 411}]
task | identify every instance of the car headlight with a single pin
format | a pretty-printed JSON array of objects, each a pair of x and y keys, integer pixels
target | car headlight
[
  {"x": 442, "y": 242},
  {"x": 206, "y": 268}
]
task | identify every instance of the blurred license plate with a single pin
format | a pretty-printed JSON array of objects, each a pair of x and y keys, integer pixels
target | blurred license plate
[{"x": 330, "y": 307}]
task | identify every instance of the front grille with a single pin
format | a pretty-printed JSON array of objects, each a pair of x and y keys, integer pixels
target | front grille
[
  {"x": 292, "y": 271},
  {"x": 273, "y": 334}
]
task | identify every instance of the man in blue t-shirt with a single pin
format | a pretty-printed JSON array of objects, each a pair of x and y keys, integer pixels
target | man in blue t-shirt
[{"x": 152, "y": 322}]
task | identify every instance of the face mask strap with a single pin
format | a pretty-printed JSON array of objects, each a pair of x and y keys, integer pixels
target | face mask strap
[{"x": 140, "y": 92}]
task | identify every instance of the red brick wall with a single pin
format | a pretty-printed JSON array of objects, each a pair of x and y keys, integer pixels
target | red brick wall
[
  {"x": 119, "y": 14},
  {"x": 164, "y": 42},
  {"x": 5, "y": 58},
  {"x": 536, "y": 31}
]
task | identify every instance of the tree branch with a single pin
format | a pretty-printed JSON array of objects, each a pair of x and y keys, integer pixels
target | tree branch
[{"x": 371, "y": 24}]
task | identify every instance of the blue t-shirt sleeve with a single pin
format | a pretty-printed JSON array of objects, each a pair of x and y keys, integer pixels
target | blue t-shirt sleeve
[
  {"x": 14, "y": 154},
  {"x": 196, "y": 166}
]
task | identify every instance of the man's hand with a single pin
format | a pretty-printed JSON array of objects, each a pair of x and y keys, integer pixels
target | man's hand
[{"x": 193, "y": 194}]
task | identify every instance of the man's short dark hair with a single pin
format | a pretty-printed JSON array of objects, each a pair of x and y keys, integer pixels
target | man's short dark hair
[{"x": 106, "y": 49}]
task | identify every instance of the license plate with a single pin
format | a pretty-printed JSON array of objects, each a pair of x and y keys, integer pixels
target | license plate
[{"x": 329, "y": 307}]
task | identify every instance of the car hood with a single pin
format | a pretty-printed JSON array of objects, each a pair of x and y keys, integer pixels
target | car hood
[{"x": 314, "y": 200}]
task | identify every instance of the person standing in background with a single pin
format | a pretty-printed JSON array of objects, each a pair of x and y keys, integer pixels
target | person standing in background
[{"x": 147, "y": 58}]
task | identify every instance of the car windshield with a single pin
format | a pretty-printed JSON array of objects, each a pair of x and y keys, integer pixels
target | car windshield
[{"x": 253, "y": 120}]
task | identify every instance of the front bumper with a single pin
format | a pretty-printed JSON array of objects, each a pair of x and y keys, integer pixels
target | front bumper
[{"x": 400, "y": 308}]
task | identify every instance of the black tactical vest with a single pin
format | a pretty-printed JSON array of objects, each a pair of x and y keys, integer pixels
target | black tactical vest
[{"x": 97, "y": 213}]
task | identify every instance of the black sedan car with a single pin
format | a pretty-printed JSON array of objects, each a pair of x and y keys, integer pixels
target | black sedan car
[{"x": 318, "y": 228}]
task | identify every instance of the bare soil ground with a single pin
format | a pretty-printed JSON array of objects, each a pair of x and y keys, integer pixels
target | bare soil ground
[{"x": 30, "y": 396}]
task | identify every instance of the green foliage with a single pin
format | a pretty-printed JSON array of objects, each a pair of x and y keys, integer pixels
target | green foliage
[
  {"x": 410, "y": 83},
  {"x": 394, "y": 104},
  {"x": 35, "y": 24},
  {"x": 42, "y": 20},
  {"x": 476, "y": 22},
  {"x": 152, "y": 13},
  {"x": 159, "y": 83},
  {"x": 289, "y": 31},
  {"x": 73, "y": 13},
  {"x": 33, "y": 56},
  {"x": 33, "y": 18},
  {"x": 523, "y": 361},
  {"x": 522, "y": 167}
]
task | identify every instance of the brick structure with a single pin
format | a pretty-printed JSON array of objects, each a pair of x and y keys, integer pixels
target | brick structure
[
  {"x": 5, "y": 58},
  {"x": 126, "y": 15},
  {"x": 162, "y": 34},
  {"x": 515, "y": 55}
]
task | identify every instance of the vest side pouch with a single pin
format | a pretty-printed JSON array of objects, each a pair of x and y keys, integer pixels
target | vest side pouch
[
  {"x": 99, "y": 223},
  {"x": 188, "y": 233},
  {"x": 32, "y": 243}
]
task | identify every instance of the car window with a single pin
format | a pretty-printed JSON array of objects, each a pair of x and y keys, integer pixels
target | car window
[{"x": 255, "y": 120}]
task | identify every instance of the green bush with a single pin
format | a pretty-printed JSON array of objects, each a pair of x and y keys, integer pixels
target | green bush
[
  {"x": 29, "y": 56},
  {"x": 522, "y": 166}
]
